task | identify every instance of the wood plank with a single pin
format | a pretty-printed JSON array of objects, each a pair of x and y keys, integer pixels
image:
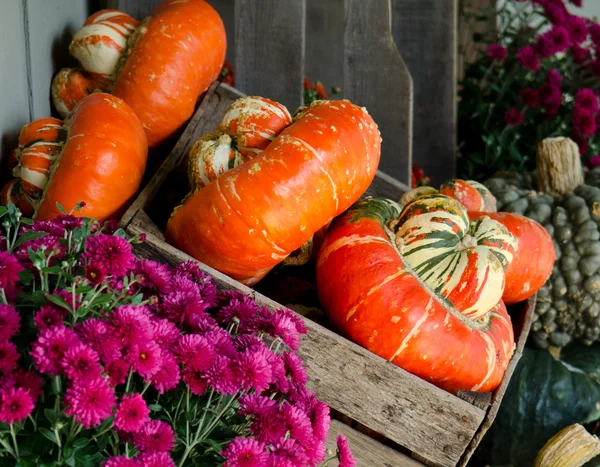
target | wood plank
[
  {"x": 269, "y": 56},
  {"x": 363, "y": 386},
  {"x": 139, "y": 9},
  {"x": 226, "y": 9},
  {"x": 367, "y": 451},
  {"x": 468, "y": 49},
  {"x": 51, "y": 26},
  {"x": 384, "y": 186},
  {"x": 522, "y": 326},
  {"x": 425, "y": 33},
  {"x": 376, "y": 77},
  {"x": 14, "y": 111}
]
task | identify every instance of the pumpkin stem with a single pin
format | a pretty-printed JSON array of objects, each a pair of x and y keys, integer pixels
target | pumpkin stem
[
  {"x": 572, "y": 446},
  {"x": 558, "y": 166},
  {"x": 466, "y": 242}
]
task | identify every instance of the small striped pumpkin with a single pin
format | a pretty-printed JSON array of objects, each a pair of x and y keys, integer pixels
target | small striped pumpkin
[
  {"x": 462, "y": 261},
  {"x": 471, "y": 194},
  {"x": 68, "y": 87},
  {"x": 211, "y": 157},
  {"x": 376, "y": 299}
]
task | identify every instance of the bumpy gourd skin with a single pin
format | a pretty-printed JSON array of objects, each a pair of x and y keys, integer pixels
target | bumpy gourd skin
[{"x": 568, "y": 305}]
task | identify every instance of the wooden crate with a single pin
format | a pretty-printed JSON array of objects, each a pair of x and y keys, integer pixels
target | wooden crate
[{"x": 420, "y": 420}]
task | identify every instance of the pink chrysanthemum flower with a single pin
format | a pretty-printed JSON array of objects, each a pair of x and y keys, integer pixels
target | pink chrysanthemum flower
[
  {"x": 120, "y": 461},
  {"x": 132, "y": 324},
  {"x": 245, "y": 311},
  {"x": 50, "y": 348},
  {"x": 110, "y": 252},
  {"x": 550, "y": 95},
  {"x": 513, "y": 117},
  {"x": 245, "y": 452},
  {"x": 587, "y": 99},
  {"x": 155, "y": 459},
  {"x": 95, "y": 273},
  {"x": 578, "y": 29},
  {"x": 584, "y": 122},
  {"x": 497, "y": 52},
  {"x": 344, "y": 453},
  {"x": 195, "y": 352},
  {"x": 8, "y": 357},
  {"x": 222, "y": 341},
  {"x": 528, "y": 58},
  {"x": 556, "y": 13},
  {"x": 579, "y": 53},
  {"x": 49, "y": 227},
  {"x": 288, "y": 450},
  {"x": 202, "y": 324},
  {"x": 109, "y": 227},
  {"x": 117, "y": 372},
  {"x": 68, "y": 222},
  {"x": 554, "y": 78},
  {"x": 248, "y": 342},
  {"x": 280, "y": 324},
  {"x": 155, "y": 436},
  {"x": 297, "y": 422},
  {"x": 165, "y": 333},
  {"x": 320, "y": 420},
  {"x": 81, "y": 363},
  {"x": 183, "y": 304},
  {"x": 29, "y": 381},
  {"x": 269, "y": 428},
  {"x": 101, "y": 337},
  {"x": 132, "y": 414},
  {"x": 15, "y": 405},
  {"x": 296, "y": 319},
  {"x": 530, "y": 97},
  {"x": 294, "y": 368},
  {"x": 49, "y": 316},
  {"x": 222, "y": 377},
  {"x": 255, "y": 405},
  {"x": 196, "y": 381},
  {"x": 154, "y": 275},
  {"x": 279, "y": 372},
  {"x": 593, "y": 161},
  {"x": 9, "y": 269},
  {"x": 595, "y": 33},
  {"x": 91, "y": 402},
  {"x": 168, "y": 376},
  {"x": 191, "y": 270},
  {"x": 582, "y": 143},
  {"x": 145, "y": 358},
  {"x": 10, "y": 322},
  {"x": 253, "y": 370},
  {"x": 48, "y": 244}
]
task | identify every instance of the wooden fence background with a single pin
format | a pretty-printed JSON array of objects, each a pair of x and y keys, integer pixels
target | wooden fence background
[{"x": 273, "y": 44}]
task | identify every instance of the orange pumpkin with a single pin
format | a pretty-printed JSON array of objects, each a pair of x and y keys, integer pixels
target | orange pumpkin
[
  {"x": 178, "y": 52},
  {"x": 68, "y": 87},
  {"x": 102, "y": 162},
  {"x": 253, "y": 216}
]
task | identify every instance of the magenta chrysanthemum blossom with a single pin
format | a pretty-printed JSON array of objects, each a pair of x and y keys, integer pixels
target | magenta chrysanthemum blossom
[
  {"x": 280, "y": 324},
  {"x": 154, "y": 275},
  {"x": 530, "y": 97},
  {"x": 245, "y": 311},
  {"x": 165, "y": 333},
  {"x": 50, "y": 348},
  {"x": 145, "y": 358},
  {"x": 222, "y": 377},
  {"x": 497, "y": 52},
  {"x": 584, "y": 122},
  {"x": 253, "y": 371},
  {"x": 168, "y": 376},
  {"x": 15, "y": 405},
  {"x": 101, "y": 337},
  {"x": 10, "y": 322},
  {"x": 183, "y": 304},
  {"x": 297, "y": 423},
  {"x": 155, "y": 436},
  {"x": 296, "y": 319},
  {"x": 68, "y": 222},
  {"x": 595, "y": 33},
  {"x": 248, "y": 342},
  {"x": 90, "y": 402},
  {"x": 95, "y": 273},
  {"x": 191, "y": 270},
  {"x": 132, "y": 324},
  {"x": 49, "y": 316},
  {"x": 513, "y": 117},
  {"x": 587, "y": 99},
  {"x": 288, "y": 450},
  {"x": 29, "y": 381},
  {"x": 120, "y": 461},
  {"x": 227, "y": 296},
  {"x": 344, "y": 453},
  {"x": 582, "y": 143},
  {"x": 554, "y": 41},
  {"x": 593, "y": 161},
  {"x": 8, "y": 357},
  {"x": 110, "y": 227},
  {"x": 279, "y": 373},
  {"x": 155, "y": 459},
  {"x": 202, "y": 324},
  {"x": 578, "y": 29},
  {"x": 579, "y": 53},
  {"x": 110, "y": 252},
  {"x": 556, "y": 13},
  {"x": 528, "y": 58},
  {"x": 320, "y": 420},
  {"x": 48, "y": 244},
  {"x": 49, "y": 227},
  {"x": 294, "y": 368},
  {"x": 554, "y": 78},
  {"x": 222, "y": 341},
  {"x": 9, "y": 269},
  {"x": 245, "y": 452},
  {"x": 117, "y": 371},
  {"x": 195, "y": 352},
  {"x": 550, "y": 96},
  {"x": 196, "y": 381},
  {"x": 81, "y": 363},
  {"x": 256, "y": 405},
  {"x": 132, "y": 414}
]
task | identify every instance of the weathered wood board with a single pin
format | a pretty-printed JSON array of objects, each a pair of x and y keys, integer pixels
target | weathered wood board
[
  {"x": 376, "y": 77},
  {"x": 139, "y": 9},
  {"x": 269, "y": 55}
]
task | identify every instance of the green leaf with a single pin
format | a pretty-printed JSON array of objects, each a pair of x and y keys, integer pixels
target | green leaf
[
  {"x": 3, "y": 211},
  {"x": 119, "y": 233},
  {"x": 81, "y": 443},
  {"x": 59, "y": 301},
  {"x": 155, "y": 407},
  {"x": 48, "y": 434},
  {"x": 51, "y": 415},
  {"x": 60, "y": 208},
  {"x": 28, "y": 236},
  {"x": 26, "y": 221},
  {"x": 213, "y": 444}
]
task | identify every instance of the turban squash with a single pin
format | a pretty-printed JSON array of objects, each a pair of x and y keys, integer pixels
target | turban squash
[
  {"x": 373, "y": 296},
  {"x": 253, "y": 216},
  {"x": 98, "y": 155},
  {"x": 159, "y": 67}
]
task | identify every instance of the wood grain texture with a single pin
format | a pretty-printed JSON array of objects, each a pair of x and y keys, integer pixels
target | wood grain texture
[
  {"x": 425, "y": 33},
  {"x": 14, "y": 108},
  {"x": 269, "y": 55},
  {"x": 376, "y": 77},
  {"x": 51, "y": 26},
  {"x": 367, "y": 451},
  {"x": 226, "y": 9},
  {"x": 139, "y": 9},
  {"x": 352, "y": 380},
  {"x": 384, "y": 186},
  {"x": 468, "y": 29}
]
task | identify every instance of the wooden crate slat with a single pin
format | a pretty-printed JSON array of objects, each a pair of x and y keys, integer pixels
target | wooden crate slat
[
  {"x": 139, "y": 9},
  {"x": 376, "y": 77},
  {"x": 367, "y": 451},
  {"x": 269, "y": 56},
  {"x": 425, "y": 33},
  {"x": 352, "y": 380}
]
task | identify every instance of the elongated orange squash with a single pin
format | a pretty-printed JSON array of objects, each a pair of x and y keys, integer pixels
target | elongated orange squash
[{"x": 251, "y": 217}]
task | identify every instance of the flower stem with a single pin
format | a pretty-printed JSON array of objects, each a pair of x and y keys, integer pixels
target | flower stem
[
  {"x": 215, "y": 421},
  {"x": 188, "y": 447},
  {"x": 14, "y": 438},
  {"x": 8, "y": 447},
  {"x": 3, "y": 296},
  {"x": 128, "y": 381}
]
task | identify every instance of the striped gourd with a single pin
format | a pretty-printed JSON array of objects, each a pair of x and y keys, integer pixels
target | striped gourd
[
  {"x": 253, "y": 122},
  {"x": 471, "y": 194},
  {"x": 210, "y": 157},
  {"x": 460, "y": 260}
]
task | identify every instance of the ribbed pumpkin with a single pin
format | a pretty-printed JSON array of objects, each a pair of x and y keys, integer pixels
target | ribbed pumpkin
[
  {"x": 377, "y": 300},
  {"x": 210, "y": 157},
  {"x": 253, "y": 216},
  {"x": 471, "y": 194},
  {"x": 462, "y": 261},
  {"x": 69, "y": 86}
]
